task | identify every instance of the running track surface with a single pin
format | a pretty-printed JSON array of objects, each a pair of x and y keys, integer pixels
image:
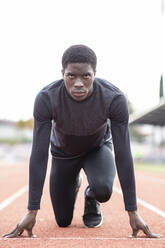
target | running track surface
[{"x": 114, "y": 231}]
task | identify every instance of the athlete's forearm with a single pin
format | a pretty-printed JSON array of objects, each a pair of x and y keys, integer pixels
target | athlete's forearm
[
  {"x": 124, "y": 164},
  {"x": 38, "y": 163},
  {"x": 37, "y": 173},
  {"x": 127, "y": 181}
]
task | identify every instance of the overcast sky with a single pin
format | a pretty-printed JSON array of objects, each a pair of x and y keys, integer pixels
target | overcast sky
[{"x": 128, "y": 37}]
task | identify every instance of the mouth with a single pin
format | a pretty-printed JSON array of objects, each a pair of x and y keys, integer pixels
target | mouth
[{"x": 78, "y": 93}]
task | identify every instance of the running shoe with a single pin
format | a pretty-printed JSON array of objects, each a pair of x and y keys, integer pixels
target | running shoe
[{"x": 92, "y": 214}]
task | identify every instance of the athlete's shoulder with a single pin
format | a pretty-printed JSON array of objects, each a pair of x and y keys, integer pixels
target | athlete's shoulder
[
  {"x": 108, "y": 87},
  {"x": 52, "y": 86},
  {"x": 49, "y": 91}
]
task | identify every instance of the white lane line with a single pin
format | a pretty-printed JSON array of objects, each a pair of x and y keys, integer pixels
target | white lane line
[
  {"x": 83, "y": 238},
  {"x": 102, "y": 238},
  {"x": 20, "y": 192},
  {"x": 13, "y": 197},
  {"x": 144, "y": 204}
]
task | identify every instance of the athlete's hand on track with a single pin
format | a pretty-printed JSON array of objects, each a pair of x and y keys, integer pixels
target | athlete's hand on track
[
  {"x": 27, "y": 223},
  {"x": 137, "y": 224}
]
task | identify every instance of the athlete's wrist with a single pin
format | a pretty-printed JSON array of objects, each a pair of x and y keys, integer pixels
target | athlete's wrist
[
  {"x": 34, "y": 212},
  {"x": 131, "y": 213}
]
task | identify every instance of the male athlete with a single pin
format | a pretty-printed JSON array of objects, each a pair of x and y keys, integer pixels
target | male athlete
[{"x": 78, "y": 114}]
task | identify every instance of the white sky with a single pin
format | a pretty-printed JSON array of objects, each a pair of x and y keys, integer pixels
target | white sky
[{"x": 127, "y": 36}]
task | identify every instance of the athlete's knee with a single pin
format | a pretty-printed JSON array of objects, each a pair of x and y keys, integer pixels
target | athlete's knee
[
  {"x": 103, "y": 193},
  {"x": 63, "y": 222}
]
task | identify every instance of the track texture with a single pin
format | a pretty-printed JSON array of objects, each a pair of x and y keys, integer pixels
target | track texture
[{"x": 113, "y": 233}]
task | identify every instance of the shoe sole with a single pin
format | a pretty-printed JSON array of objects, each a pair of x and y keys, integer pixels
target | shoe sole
[{"x": 94, "y": 226}]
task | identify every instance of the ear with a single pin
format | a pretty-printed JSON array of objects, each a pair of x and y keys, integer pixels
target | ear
[{"x": 62, "y": 71}]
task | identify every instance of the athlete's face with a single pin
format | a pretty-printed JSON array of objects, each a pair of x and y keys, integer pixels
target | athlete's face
[{"x": 78, "y": 78}]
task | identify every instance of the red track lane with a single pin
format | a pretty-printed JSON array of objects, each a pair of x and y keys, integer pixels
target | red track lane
[
  {"x": 12, "y": 178},
  {"x": 113, "y": 233}
]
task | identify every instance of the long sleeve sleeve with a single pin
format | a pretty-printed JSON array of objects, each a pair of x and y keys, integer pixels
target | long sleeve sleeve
[
  {"x": 120, "y": 134},
  {"x": 40, "y": 147}
]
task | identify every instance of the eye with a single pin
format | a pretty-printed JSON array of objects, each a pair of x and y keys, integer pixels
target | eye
[
  {"x": 87, "y": 75},
  {"x": 71, "y": 76}
]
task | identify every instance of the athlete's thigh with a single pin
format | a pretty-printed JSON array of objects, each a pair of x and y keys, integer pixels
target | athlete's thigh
[
  {"x": 63, "y": 182},
  {"x": 99, "y": 167}
]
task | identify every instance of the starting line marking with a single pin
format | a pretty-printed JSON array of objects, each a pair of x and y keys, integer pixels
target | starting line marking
[
  {"x": 10, "y": 199},
  {"x": 83, "y": 238},
  {"x": 144, "y": 204}
]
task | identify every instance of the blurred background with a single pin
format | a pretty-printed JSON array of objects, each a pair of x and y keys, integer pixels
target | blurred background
[{"x": 128, "y": 38}]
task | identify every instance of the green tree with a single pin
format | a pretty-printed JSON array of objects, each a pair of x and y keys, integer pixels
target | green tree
[{"x": 25, "y": 124}]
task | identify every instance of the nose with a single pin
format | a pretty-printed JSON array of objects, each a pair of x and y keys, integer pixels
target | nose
[{"x": 78, "y": 83}]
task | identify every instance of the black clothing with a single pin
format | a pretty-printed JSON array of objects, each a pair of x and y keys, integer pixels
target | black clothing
[
  {"x": 80, "y": 127},
  {"x": 100, "y": 171}
]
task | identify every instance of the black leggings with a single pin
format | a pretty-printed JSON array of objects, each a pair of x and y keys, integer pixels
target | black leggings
[{"x": 100, "y": 171}]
